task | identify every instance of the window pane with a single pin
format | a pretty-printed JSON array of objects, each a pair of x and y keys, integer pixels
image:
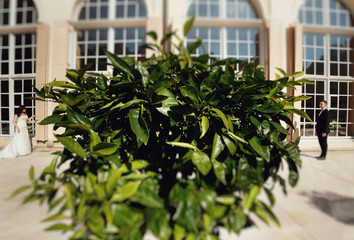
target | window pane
[
  {"x": 333, "y": 88},
  {"x": 334, "y": 102},
  {"x": 343, "y": 86}
]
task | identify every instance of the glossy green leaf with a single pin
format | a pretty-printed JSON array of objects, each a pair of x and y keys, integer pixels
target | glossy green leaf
[
  {"x": 125, "y": 192},
  {"x": 204, "y": 126},
  {"x": 279, "y": 127},
  {"x": 118, "y": 63},
  {"x": 144, "y": 74},
  {"x": 220, "y": 170},
  {"x": 178, "y": 232},
  {"x": 218, "y": 146},
  {"x": 182, "y": 144},
  {"x": 56, "y": 217},
  {"x": 152, "y": 34},
  {"x": 282, "y": 71},
  {"x": 112, "y": 181},
  {"x": 194, "y": 46},
  {"x": 51, "y": 119},
  {"x": 306, "y": 81},
  {"x": 236, "y": 137},
  {"x": 256, "y": 123},
  {"x": 135, "y": 165},
  {"x": 231, "y": 146},
  {"x": 229, "y": 75},
  {"x": 297, "y": 74},
  {"x": 76, "y": 118},
  {"x": 297, "y": 111},
  {"x": 249, "y": 198},
  {"x": 158, "y": 223},
  {"x": 139, "y": 125},
  {"x": 202, "y": 161},
  {"x": 18, "y": 191},
  {"x": 222, "y": 116},
  {"x": 169, "y": 102},
  {"x": 105, "y": 148},
  {"x": 72, "y": 145},
  {"x": 69, "y": 198},
  {"x": 207, "y": 199},
  {"x": 62, "y": 84},
  {"x": 31, "y": 173},
  {"x": 262, "y": 150},
  {"x": 238, "y": 222},
  {"x": 226, "y": 199},
  {"x": 187, "y": 26},
  {"x": 60, "y": 226}
]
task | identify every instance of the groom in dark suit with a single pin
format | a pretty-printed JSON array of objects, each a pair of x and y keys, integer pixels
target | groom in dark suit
[{"x": 322, "y": 128}]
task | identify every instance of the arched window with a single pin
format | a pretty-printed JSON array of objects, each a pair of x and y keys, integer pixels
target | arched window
[
  {"x": 99, "y": 28},
  {"x": 328, "y": 59},
  {"x": 17, "y": 60},
  {"x": 236, "y": 32}
]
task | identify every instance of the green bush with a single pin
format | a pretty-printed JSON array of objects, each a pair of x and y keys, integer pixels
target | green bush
[{"x": 174, "y": 144}]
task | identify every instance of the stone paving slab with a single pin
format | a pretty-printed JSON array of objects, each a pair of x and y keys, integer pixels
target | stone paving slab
[{"x": 320, "y": 207}]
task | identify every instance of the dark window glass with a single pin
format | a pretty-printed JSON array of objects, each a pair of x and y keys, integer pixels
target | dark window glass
[
  {"x": 309, "y": 103},
  {"x": 118, "y": 48},
  {"x": 343, "y": 116},
  {"x": 4, "y": 114},
  {"x": 333, "y": 88},
  {"x": 333, "y": 115},
  {"x": 28, "y": 67},
  {"x": 5, "y": 128},
  {"x": 29, "y": 18},
  {"x": 18, "y": 67},
  {"x": 28, "y": 53},
  {"x": 343, "y": 102},
  {"x": 4, "y": 100},
  {"x": 91, "y": 49},
  {"x": 19, "y": 17},
  {"x": 4, "y": 86},
  {"x": 334, "y": 69},
  {"x": 102, "y": 67},
  {"x": 334, "y": 102},
  {"x": 343, "y": 88},
  {"x": 28, "y": 85},
  {"x": 320, "y": 87},
  {"x": 18, "y": 40},
  {"x": 18, "y": 53},
  {"x": 28, "y": 39},
  {"x": 310, "y": 88},
  {"x": 18, "y": 86},
  {"x": 27, "y": 100},
  {"x": 18, "y": 100},
  {"x": 320, "y": 68},
  {"x": 4, "y": 68},
  {"x": 343, "y": 70}
]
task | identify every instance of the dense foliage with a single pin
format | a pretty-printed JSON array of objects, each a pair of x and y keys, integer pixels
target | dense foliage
[{"x": 174, "y": 144}]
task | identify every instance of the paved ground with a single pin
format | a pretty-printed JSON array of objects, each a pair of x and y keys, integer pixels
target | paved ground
[{"x": 321, "y": 207}]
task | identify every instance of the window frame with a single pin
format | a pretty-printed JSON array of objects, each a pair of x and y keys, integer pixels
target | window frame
[
  {"x": 327, "y": 31},
  {"x": 223, "y": 23},
  {"x": 111, "y": 23},
  {"x": 11, "y": 30}
]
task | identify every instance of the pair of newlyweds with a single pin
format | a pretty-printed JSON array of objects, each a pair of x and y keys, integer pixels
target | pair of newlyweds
[{"x": 20, "y": 143}]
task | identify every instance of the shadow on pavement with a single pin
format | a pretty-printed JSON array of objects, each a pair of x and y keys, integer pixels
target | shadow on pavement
[{"x": 339, "y": 207}]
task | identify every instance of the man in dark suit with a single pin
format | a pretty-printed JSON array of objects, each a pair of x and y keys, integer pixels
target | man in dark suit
[{"x": 322, "y": 128}]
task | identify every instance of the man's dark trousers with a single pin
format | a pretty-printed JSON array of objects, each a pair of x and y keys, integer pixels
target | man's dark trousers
[
  {"x": 322, "y": 126},
  {"x": 323, "y": 144}
]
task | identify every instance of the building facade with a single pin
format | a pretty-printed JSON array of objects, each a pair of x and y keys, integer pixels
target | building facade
[{"x": 40, "y": 39}]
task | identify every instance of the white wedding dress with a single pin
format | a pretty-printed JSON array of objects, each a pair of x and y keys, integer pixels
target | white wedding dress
[{"x": 20, "y": 144}]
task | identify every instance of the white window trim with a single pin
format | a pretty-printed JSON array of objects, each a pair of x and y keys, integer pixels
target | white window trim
[{"x": 110, "y": 24}]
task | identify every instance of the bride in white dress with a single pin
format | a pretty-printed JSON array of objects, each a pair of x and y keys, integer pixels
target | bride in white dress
[{"x": 20, "y": 144}]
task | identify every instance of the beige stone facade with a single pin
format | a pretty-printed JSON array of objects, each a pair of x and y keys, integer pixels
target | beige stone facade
[{"x": 280, "y": 40}]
